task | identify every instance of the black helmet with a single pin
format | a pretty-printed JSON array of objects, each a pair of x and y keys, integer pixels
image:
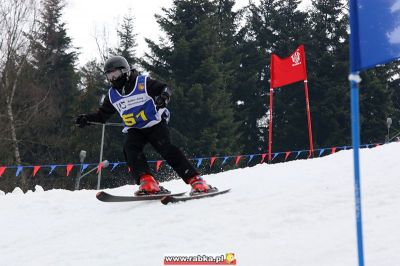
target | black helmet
[
  {"x": 116, "y": 68},
  {"x": 116, "y": 62}
]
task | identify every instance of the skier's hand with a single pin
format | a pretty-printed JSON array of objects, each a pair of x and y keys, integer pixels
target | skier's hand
[
  {"x": 82, "y": 121},
  {"x": 162, "y": 100}
]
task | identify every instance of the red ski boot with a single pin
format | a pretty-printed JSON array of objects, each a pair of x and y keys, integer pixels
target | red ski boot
[
  {"x": 148, "y": 186},
  {"x": 199, "y": 186}
]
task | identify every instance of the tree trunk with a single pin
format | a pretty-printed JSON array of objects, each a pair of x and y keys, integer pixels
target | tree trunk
[{"x": 10, "y": 114}]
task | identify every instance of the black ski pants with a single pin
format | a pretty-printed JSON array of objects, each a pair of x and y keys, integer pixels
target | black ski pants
[{"x": 159, "y": 137}]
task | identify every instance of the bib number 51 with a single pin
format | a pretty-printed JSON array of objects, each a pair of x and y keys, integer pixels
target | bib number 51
[{"x": 129, "y": 119}]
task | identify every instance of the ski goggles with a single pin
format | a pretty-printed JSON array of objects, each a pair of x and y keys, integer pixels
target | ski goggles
[{"x": 114, "y": 74}]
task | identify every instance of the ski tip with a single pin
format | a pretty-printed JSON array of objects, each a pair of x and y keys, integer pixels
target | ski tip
[{"x": 101, "y": 195}]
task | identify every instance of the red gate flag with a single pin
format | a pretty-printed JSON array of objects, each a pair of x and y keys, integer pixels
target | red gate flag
[{"x": 288, "y": 70}]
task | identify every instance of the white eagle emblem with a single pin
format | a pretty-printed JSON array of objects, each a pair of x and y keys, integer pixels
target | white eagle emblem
[{"x": 296, "y": 59}]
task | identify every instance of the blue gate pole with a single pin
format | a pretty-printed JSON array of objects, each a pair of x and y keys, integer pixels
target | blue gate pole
[{"x": 355, "y": 130}]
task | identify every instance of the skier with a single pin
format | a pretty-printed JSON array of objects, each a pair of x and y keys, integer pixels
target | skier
[{"x": 141, "y": 102}]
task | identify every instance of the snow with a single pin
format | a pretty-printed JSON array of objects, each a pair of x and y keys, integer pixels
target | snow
[
  {"x": 295, "y": 213},
  {"x": 17, "y": 191},
  {"x": 38, "y": 189}
]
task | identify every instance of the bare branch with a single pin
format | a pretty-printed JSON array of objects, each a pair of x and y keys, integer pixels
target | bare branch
[
  {"x": 17, "y": 20},
  {"x": 102, "y": 43}
]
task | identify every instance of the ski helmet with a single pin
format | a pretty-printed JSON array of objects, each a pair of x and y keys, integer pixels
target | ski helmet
[
  {"x": 116, "y": 68},
  {"x": 116, "y": 62}
]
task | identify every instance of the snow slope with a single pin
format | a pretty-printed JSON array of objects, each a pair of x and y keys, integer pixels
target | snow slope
[{"x": 296, "y": 213}]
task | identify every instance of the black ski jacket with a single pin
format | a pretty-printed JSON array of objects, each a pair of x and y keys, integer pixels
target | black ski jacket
[{"x": 106, "y": 110}]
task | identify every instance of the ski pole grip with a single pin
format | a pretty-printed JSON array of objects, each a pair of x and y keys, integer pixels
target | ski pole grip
[{"x": 105, "y": 163}]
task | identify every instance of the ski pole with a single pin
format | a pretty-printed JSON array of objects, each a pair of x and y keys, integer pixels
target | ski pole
[{"x": 104, "y": 163}]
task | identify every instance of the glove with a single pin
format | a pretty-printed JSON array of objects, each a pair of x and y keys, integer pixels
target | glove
[
  {"x": 162, "y": 100},
  {"x": 82, "y": 121}
]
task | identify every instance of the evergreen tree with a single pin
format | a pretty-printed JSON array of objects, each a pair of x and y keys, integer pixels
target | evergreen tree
[
  {"x": 376, "y": 104},
  {"x": 54, "y": 64},
  {"x": 329, "y": 72},
  {"x": 93, "y": 87},
  {"x": 327, "y": 65},
  {"x": 196, "y": 61},
  {"x": 393, "y": 82},
  {"x": 127, "y": 40},
  {"x": 271, "y": 27},
  {"x": 290, "y": 119},
  {"x": 250, "y": 89}
]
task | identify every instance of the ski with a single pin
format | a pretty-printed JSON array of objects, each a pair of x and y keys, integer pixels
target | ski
[
  {"x": 106, "y": 197},
  {"x": 174, "y": 198}
]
